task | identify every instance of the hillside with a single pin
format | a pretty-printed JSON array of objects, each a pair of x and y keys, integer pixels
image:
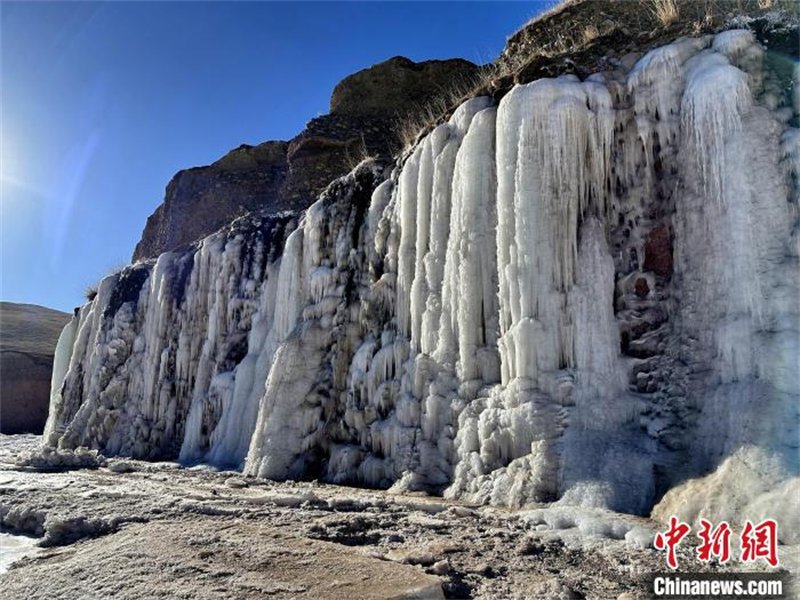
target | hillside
[{"x": 28, "y": 336}]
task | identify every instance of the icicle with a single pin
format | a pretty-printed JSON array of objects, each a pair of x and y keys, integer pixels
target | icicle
[
  {"x": 457, "y": 326},
  {"x": 469, "y": 296},
  {"x": 554, "y": 143},
  {"x": 406, "y": 207},
  {"x": 61, "y": 363}
]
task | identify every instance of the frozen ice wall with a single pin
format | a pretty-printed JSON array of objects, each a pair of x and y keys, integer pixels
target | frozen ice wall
[
  {"x": 587, "y": 292},
  {"x": 147, "y": 368}
]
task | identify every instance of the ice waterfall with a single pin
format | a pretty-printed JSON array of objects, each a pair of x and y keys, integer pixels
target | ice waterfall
[{"x": 587, "y": 292}]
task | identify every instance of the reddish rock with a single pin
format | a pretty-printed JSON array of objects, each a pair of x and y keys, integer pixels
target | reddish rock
[
  {"x": 658, "y": 252},
  {"x": 641, "y": 288}
]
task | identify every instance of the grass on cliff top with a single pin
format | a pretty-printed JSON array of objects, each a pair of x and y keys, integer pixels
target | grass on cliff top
[
  {"x": 422, "y": 118},
  {"x": 574, "y": 25},
  {"x": 575, "y": 36}
]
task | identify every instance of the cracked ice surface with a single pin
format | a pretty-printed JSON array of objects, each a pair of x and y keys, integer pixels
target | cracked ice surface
[{"x": 485, "y": 319}]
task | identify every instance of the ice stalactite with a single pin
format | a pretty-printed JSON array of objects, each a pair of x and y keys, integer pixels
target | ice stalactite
[
  {"x": 288, "y": 385},
  {"x": 554, "y": 144},
  {"x": 585, "y": 292},
  {"x": 153, "y": 347},
  {"x": 61, "y": 365},
  {"x": 741, "y": 314},
  {"x": 424, "y": 201},
  {"x": 322, "y": 260},
  {"x": 469, "y": 296}
]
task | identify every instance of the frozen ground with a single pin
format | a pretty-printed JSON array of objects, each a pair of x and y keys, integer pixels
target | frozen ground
[
  {"x": 15, "y": 547},
  {"x": 144, "y": 530}
]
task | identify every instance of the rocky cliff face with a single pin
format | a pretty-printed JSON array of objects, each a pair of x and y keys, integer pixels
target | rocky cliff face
[
  {"x": 586, "y": 36},
  {"x": 28, "y": 336},
  {"x": 277, "y": 176},
  {"x": 584, "y": 292},
  {"x": 201, "y": 200}
]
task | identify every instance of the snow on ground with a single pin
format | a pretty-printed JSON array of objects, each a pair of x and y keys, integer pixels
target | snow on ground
[
  {"x": 15, "y": 547},
  {"x": 137, "y": 529}
]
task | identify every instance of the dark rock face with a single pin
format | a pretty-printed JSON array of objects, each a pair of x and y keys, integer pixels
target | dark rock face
[
  {"x": 25, "y": 392},
  {"x": 201, "y": 200},
  {"x": 28, "y": 336},
  {"x": 329, "y": 147},
  {"x": 658, "y": 252},
  {"x": 276, "y": 176},
  {"x": 641, "y": 287},
  {"x": 397, "y": 85}
]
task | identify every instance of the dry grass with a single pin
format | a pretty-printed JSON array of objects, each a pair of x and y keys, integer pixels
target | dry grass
[
  {"x": 590, "y": 33},
  {"x": 666, "y": 11},
  {"x": 357, "y": 153},
  {"x": 550, "y": 12},
  {"x": 90, "y": 291},
  {"x": 562, "y": 41},
  {"x": 706, "y": 23},
  {"x": 423, "y": 118}
]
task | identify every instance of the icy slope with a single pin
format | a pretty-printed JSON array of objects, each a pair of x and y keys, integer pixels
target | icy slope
[{"x": 588, "y": 291}]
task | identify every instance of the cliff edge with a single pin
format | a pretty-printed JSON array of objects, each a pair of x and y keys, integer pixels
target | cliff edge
[{"x": 365, "y": 109}]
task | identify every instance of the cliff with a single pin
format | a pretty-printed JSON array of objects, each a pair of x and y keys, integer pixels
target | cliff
[
  {"x": 28, "y": 336},
  {"x": 364, "y": 113},
  {"x": 575, "y": 289}
]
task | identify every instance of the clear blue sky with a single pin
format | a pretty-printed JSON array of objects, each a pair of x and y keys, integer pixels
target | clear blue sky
[{"x": 102, "y": 103}]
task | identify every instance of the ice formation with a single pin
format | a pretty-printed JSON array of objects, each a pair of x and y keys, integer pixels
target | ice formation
[{"x": 587, "y": 292}]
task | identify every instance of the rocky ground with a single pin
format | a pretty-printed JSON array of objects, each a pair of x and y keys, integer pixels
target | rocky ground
[{"x": 131, "y": 529}]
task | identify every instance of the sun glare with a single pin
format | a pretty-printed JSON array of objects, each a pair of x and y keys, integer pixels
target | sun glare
[{"x": 11, "y": 170}]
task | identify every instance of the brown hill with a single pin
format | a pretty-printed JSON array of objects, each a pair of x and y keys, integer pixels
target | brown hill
[{"x": 28, "y": 336}]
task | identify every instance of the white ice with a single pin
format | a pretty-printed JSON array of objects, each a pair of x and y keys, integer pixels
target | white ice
[{"x": 463, "y": 330}]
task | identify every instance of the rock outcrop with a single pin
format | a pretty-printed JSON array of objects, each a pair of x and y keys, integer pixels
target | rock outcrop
[
  {"x": 28, "y": 336},
  {"x": 200, "y": 200},
  {"x": 364, "y": 112},
  {"x": 397, "y": 85},
  {"x": 583, "y": 292},
  {"x": 579, "y": 289},
  {"x": 587, "y": 36}
]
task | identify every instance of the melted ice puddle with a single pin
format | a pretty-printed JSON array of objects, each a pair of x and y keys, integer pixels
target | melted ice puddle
[{"x": 14, "y": 547}]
